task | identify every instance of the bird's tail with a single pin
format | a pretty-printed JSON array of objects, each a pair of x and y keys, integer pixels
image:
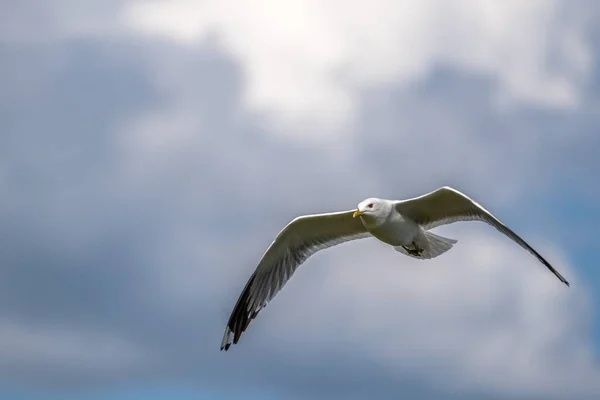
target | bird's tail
[{"x": 435, "y": 246}]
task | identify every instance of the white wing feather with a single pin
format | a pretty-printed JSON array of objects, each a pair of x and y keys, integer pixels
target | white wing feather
[
  {"x": 300, "y": 239},
  {"x": 446, "y": 205}
]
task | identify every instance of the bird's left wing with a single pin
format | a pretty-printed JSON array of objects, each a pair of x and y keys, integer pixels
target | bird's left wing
[
  {"x": 446, "y": 205},
  {"x": 300, "y": 239}
]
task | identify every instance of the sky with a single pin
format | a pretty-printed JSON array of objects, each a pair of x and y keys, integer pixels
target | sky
[{"x": 151, "y": 151}]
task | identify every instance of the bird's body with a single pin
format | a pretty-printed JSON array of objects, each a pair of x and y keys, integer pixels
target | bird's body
[
  {"x": 393, "y": 228},
  {"x": 403, "y": 224}
]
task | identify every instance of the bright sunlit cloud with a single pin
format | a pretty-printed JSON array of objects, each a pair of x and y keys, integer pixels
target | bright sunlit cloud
[{"x": 307, "y": 61}]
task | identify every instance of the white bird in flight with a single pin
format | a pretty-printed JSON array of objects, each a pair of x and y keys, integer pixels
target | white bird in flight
[{"x": 403, "y": 224}]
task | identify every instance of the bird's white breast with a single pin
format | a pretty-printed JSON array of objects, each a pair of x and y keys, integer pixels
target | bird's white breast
[{"x": 395, "y": 230}]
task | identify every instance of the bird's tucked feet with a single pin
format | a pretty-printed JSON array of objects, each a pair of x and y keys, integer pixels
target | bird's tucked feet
[{"x": 415, "y": 251}]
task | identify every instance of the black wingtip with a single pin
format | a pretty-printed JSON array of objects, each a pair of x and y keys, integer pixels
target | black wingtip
[
  {"x": 240, "y": 318},
  {"x": 562, "y": 278},
  {"x": 558, "y": 275}
]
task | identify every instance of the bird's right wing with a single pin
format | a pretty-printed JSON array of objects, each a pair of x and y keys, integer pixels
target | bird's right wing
[
  {"x": 300, "y": 239},
  {"x": 446, "y": 205}
]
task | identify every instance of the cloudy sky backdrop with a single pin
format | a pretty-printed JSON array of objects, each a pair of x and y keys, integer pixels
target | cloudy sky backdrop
[{"x": 151, "y": 150}]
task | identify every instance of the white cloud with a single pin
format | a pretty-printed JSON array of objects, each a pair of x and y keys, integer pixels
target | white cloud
[{"x": 305, "y": 61}]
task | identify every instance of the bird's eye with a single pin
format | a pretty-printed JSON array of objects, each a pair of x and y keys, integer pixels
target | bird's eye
[{"x": 370, "y": 205}]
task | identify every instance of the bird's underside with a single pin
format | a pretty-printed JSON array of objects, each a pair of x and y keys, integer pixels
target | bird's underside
[
  {"x": 414, "y": 250},
  {"x": 308, "y": 234}
]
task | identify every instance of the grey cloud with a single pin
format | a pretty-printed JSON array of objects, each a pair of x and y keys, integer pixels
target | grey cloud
[
  {"x": 447, "y": 128},
  {"x": 31, "y": 21},
  {"x": 86, "y": 245}
]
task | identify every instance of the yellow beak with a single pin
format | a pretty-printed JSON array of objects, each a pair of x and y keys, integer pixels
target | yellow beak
[{"x": 357, "y": 213}]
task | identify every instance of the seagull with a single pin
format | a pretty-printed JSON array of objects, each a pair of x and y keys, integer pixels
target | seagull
[{"x": 402, "y": 224}]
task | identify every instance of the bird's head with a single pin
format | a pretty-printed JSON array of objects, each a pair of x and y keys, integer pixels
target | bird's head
[{"x": 370, "y": 207}]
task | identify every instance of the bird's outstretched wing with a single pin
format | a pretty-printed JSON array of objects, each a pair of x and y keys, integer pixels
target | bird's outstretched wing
[
  {"x": 300, "y": 239},
  {"x": 446, "y": 205}
]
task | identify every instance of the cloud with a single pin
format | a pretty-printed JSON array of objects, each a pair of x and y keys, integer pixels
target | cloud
[
  {"x": 111, "y": 240},
  {"x": 29, "y": 22},
  {"x": 40, "y": 349},
  {"x": 461, "y": 333},
  {"x": 509, "y": 327},
  {"x": 306, "y": 62}
]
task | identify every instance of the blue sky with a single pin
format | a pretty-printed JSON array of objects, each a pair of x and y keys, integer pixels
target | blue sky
[{"x": 150, "y": 151}]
